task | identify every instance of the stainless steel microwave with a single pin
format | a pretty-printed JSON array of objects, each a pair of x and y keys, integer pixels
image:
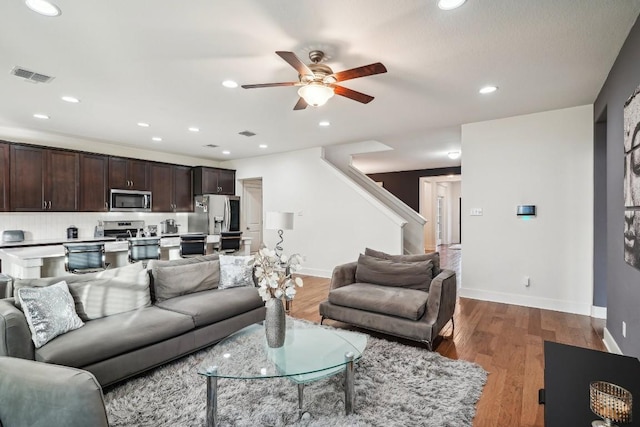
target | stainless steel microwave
[{"x": 130, "y": 201}]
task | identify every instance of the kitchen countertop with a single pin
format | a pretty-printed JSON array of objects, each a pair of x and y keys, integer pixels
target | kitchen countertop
[{"x": 51, "y": 242}]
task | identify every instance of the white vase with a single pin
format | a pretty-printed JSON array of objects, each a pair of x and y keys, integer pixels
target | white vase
[{"x": 274, "y": 323}]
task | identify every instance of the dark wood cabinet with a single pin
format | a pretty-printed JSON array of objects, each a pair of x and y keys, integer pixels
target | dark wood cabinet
[
  {"x": 171, "y": 188},
  {"x": 214, "y": 181},
  {"x": 128, "y": 174},
  {"x": 43, "y": 180},
  {"x": 94, "y": 183},
  {"x": 5, "y": 204}
]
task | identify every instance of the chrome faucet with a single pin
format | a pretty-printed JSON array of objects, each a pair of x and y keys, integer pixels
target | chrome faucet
[{"x": 129, "y": 233}]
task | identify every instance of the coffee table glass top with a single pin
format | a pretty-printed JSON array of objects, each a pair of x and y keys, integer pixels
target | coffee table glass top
[{"x": 310, "y": 352}]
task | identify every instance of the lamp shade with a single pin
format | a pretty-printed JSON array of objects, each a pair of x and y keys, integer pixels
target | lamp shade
[
  {"x": 279, "y": 221},
  {"x": 315, "y": 94}
]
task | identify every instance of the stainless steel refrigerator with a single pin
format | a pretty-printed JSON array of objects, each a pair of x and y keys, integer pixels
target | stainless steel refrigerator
[{"x": 214, "y": 214}]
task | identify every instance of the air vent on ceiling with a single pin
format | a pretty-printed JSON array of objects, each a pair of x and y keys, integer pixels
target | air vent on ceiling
[
  {"x": 31, "y": 76},
  {"x": 247, "y": 133},
  {"x": 211, "y": 146}
]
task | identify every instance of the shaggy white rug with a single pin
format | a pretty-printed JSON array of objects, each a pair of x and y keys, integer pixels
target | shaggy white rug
[{"x": 396, "y": 385}]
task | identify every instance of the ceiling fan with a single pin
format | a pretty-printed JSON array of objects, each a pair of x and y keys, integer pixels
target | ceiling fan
[{"x": 318, "y": 81}]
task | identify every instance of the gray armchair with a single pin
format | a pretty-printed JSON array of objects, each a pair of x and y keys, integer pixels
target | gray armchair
[
  {"x": 408, "y": 296},
  {"x": 39, "y": 394}
]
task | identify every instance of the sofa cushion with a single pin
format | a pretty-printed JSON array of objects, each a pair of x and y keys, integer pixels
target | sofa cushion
[
  {"x": 110, "y": 336},
  {"x": 154, "y": 265},
  {"x": 393, "y": 301},
  {"x": 49, "y": 311},
  {"x": 174, "y": 280},
  {"x": 433, "y": 256},
  {"x": 236, "y": 271},
  {"x": 414, "y": 275},
  {"x": 104, "y": 293},
  {"x": 212, "y": 306}
]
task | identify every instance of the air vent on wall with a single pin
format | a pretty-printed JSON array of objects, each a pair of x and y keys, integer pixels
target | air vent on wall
[
  {"x": 211, "y": 145},
  {"x": 247, "y": 133},
  {"x": 31, "y": 76}
]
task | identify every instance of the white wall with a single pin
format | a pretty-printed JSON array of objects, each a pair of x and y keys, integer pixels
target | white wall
[
  {"x": 454, "y": 212},
  {"x": 544, "y": 159},
  {"x": 335, "y": 220}
]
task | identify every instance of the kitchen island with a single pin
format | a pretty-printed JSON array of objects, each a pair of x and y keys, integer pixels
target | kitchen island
[{"x": 31, "y": 259}]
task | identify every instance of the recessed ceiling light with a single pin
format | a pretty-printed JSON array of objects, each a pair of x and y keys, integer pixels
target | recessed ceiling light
[
  {"x": 143, "y": 125},
  {"x": 324, "y": 123},
  {"x": 450, "y": 4},
  {"x": 225, "y": 152},
  {"x": 156, "y": 139},
  {"x": 230, "y": 84},
  {"x": 194, "y": 129},
  {"x": 41, "y": 116},
  {"x": 263, "y": 146},
  {"x": 453, "y": 154},
  {"x": 43, "y": 7},
  {"x": 71, "y": 99},
  {"x": 488, "y": 89}
]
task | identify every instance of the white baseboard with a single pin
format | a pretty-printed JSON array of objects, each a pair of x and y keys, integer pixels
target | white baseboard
[
  {"x": 598, "y": 312},
  {"x": 527, "y": 301},
  {"x": 610, "y": 343},
  {"x": 317, "y": 272}
]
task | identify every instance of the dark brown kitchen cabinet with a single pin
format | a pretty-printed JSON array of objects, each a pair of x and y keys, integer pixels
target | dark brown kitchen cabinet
[
  {"x": 171, "y": 188},
  {"x": 4, "y": 177},
  {"x": 128, "y": 174},
  {"x": 43, "y": 180},
  {"x": 214, "y": 181},
  {"x": 94, "y": 183}
]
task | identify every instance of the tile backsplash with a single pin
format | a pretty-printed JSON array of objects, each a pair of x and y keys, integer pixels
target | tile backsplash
[{"x": 53, "y": 225}]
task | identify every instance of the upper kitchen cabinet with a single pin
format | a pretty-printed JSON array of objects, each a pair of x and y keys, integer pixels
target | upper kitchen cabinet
[
  {"x": 214, "y": 181},
  {"x": 94, "y": 183},
  {"x": 128, "y": 174},
  {"x": 4, "y": 177},
  {"x": 171, "y": 188},
  {"x": 43, "y": 180}
]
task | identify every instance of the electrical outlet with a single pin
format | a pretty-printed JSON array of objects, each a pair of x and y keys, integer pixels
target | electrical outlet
[
  {"x": 526, "y": 282},
  {"x": 624, "y": 329},
  {"x": 476, "y": 211}
]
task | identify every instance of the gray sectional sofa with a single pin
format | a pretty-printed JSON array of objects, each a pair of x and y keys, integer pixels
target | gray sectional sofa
[
  {"x": 132, "y": 324},
  {"x": 408, "y": 296}
]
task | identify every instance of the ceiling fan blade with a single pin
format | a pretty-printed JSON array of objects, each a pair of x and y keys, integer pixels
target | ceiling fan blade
[
  {"x": 295, "y": 62},
  {"x": 354, "y": 73},
  {"x": 352, "y": 94},
  {"x": 301, "y": 104},
  {"x": 270, "y": 85}
]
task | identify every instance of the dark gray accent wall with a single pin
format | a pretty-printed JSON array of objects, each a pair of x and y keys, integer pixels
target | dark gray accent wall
[
  {"x": 621, "y": 280},
  {"x": 600, "y": 212},
  {"x": 405, "y": 185}
]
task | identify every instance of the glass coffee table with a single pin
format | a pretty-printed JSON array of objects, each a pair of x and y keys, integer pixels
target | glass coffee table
[{"x": 310, "y": 353}]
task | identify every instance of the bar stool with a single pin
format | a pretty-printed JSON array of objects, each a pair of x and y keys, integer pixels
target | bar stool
[
  {"x": 193, "y": 245},
  {"x": 84, "y": 257},
  {"x": 230, "y": 241},
  {"x": 143, "y": 249}
]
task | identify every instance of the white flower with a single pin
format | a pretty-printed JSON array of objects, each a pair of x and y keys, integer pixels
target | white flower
[
  {"x": 273, "y": 274},
  {"x": 290, "y": 292},
  {"x": 278, "y": 293},
  {"x": 299, "y": 281}
]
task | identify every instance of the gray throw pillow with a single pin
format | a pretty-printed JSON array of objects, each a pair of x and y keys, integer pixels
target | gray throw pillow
[
  {"x": 236, "y": 271},
  {"x": 49, "y": 311},
  {"x": 433, "y": 256},
  {"x": 413, "y": 275},
  {"x": 174, "y": 280}
]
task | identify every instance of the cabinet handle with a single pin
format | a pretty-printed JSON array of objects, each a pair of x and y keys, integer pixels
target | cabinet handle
[
  {"x": 132, "y": 183},
  {"x": 106, "y": 205},
  {"x": 44, "y": 204},
  {"x": 49, "y": 204}
]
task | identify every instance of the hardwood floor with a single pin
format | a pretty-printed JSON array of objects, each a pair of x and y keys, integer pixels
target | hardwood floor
[{"x": 506, "y": 340}]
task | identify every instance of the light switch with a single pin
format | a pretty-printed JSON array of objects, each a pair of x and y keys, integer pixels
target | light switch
[{"x": 476, "y": 211}]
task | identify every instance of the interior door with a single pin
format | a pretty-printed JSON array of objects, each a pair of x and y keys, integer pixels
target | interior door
[{"x": 252, "y": 208}]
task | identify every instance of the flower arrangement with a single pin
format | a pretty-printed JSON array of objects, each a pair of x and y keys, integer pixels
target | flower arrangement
[{"x": 273, "y": 272}]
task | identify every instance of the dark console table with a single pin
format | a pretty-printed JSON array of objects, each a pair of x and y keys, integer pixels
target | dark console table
[{"x": 568, "y": 370}]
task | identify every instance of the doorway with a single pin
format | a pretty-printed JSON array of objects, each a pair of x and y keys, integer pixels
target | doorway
[
  {"x": 440, "y": 206},
  {"x": 252, "y": 211}
]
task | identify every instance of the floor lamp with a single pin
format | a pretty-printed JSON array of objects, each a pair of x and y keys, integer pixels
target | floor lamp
[{"x": 279, "y": 221}]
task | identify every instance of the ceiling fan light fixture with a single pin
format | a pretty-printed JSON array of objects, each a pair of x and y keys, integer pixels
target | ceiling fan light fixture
[
  {"x": 315, "y": 94},
  {"x": 450, "y": 4},
  {"x": 43, "y": 7}
]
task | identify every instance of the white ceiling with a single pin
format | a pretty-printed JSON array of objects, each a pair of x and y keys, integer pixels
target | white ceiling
[{"x": 162, "y": 62}]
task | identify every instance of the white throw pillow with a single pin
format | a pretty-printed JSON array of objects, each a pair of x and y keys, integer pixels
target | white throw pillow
[
  {"x": 50, "y": 311},
  {"x": 236, "y": 271}
]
